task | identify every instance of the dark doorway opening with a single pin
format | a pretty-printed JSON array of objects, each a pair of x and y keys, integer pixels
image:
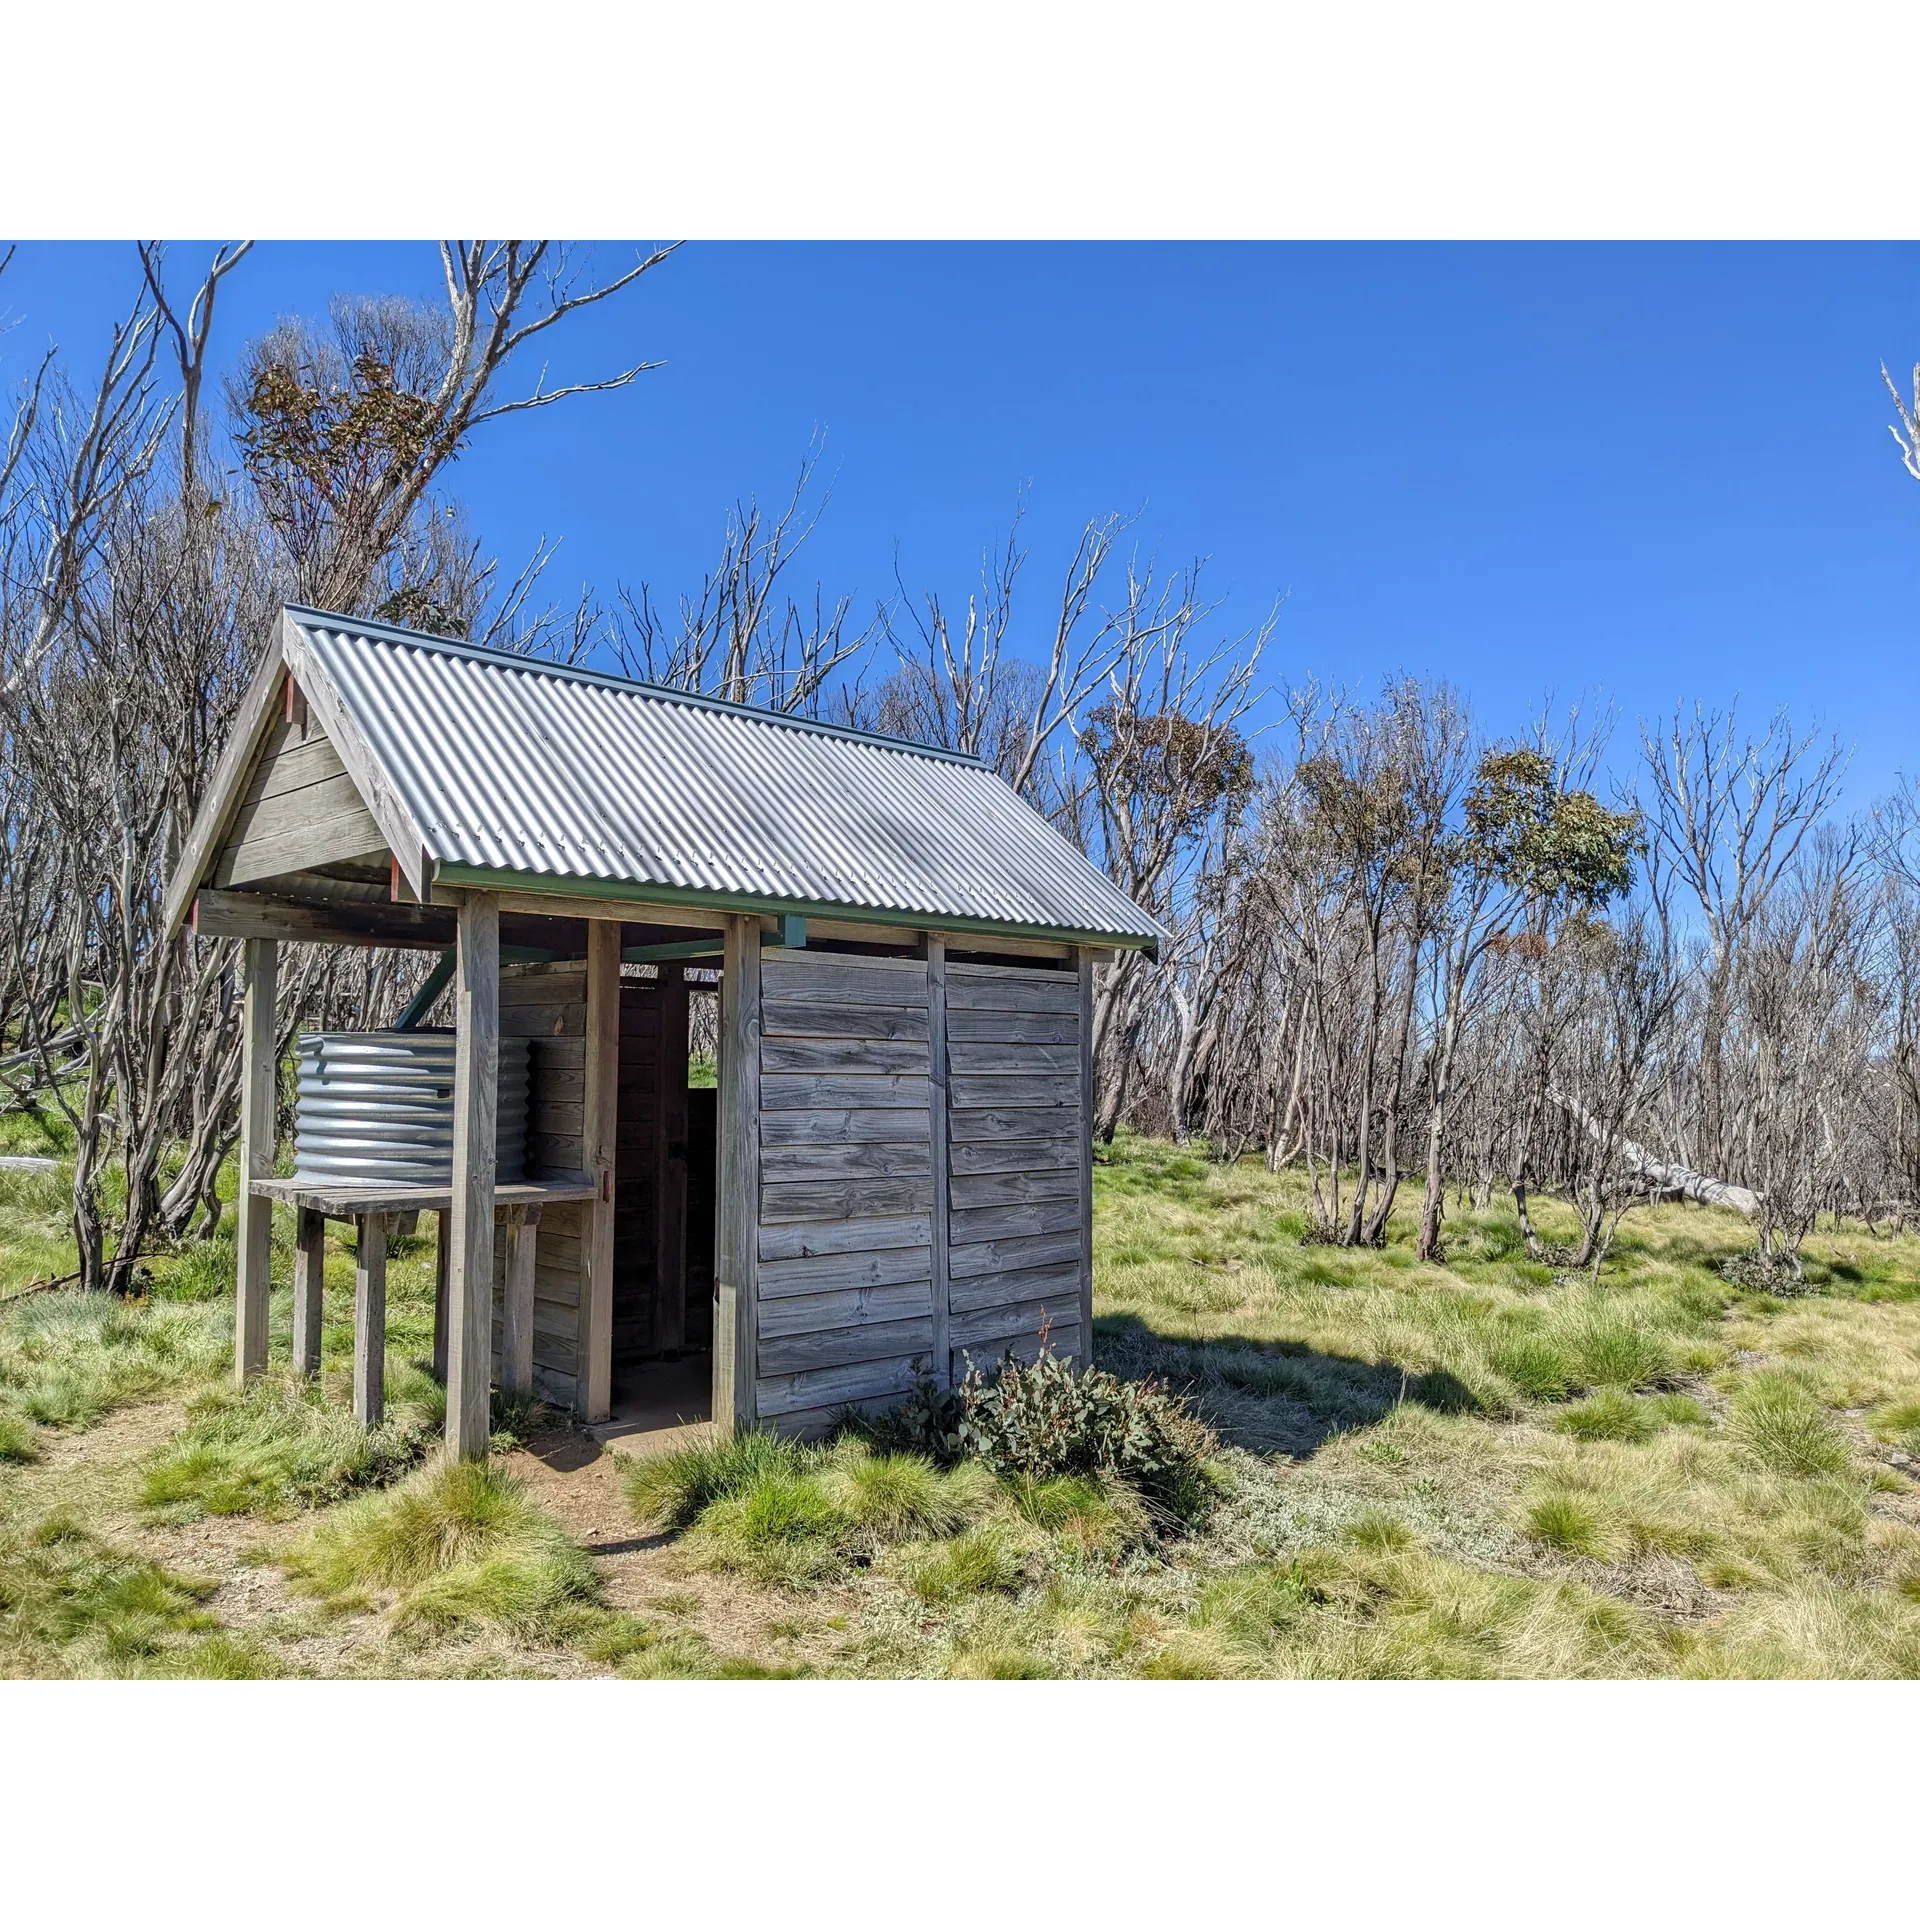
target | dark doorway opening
[{"x": 662, "y": 1212}]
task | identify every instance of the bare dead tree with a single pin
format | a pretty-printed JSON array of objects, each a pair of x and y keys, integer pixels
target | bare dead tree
[
  {"x": 1728, "y": 814},
  {"x": 133, "y": 601},
  {"x": 745, "y": 636},
  {"x": 972, "y": 694},
  {"x": 344, "y": 432},
  {"x": 1906, "y": 436}
]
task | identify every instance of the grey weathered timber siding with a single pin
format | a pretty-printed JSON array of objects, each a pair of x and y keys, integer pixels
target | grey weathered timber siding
[
  {"x": 914, "y": 1206},
  {"x": 1017, "y": 1219},
  {"x": 845, "y": 1270},
  {"x": 300, "y": 809},
  {"x": 548, "y": 1004}
]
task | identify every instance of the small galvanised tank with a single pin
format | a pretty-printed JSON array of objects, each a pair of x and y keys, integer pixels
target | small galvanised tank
[{"x": 378, "y": 1107}]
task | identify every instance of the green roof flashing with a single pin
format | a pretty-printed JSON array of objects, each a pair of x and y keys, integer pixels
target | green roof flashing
[{"x": 565, "y": 886}]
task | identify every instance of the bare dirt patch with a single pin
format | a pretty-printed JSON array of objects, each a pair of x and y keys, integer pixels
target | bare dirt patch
[{"x": 577, "y": 1481}]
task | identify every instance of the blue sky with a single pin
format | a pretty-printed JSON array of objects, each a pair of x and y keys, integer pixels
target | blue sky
[{"x": 1643, "y": 473}]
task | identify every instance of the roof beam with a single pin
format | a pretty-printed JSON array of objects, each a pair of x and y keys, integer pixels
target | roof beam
[
  {"x": 637, "y": 900},
  {"x": 339, "y": 923},
  {"x": 567, "y": 907}
]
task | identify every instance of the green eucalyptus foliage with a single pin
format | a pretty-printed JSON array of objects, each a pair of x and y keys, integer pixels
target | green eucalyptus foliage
[
  {"x": 1048, "y": 1419},
  {"x": 1546, "y": 839}
]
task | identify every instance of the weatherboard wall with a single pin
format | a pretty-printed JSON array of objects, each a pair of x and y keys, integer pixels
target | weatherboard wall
[
  {"x": 548, "y": 1005},
  {"x": 922, "y": 1133},
  {"x": 1017, "y": 1146}
]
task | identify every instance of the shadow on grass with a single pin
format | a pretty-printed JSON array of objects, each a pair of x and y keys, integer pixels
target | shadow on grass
[{"x": 1272, "y": 1396}]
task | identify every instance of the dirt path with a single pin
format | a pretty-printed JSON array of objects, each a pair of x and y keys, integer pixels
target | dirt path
[
  {"x": 577, "y": 1480},
  {"x": 95, "y": 1475}
]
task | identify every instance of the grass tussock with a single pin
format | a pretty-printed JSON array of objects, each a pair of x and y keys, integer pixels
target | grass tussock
[
  {"x": 1098, "y": 1519},
  {"x": 455, "y": 1549},
  {"x": 68, "y": 1360},
  {"x": 1784, "y": 1428},
  {"x": 670, "y": 1490},
  {"x": 1897, "y": 1424},
  {"x": 887, "y": 1498},
  {"x": 984, "y": 1560},
  {"x": 18, "y": 1441},
  {"x": 278, "y": 1448},
  {"x": 71, "y": 1605},
  {"x": 789, "y": 1516},
  {"x": 1615, "y": 1414}
]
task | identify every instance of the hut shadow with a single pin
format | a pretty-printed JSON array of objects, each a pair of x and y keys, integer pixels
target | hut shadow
[
  {"x": 1273, "y": 1396},
  {"x": 563, "y": 1449}
]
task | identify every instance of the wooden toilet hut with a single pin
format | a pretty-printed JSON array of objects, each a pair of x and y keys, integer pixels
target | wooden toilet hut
[{"x": 894, "y": 1170}]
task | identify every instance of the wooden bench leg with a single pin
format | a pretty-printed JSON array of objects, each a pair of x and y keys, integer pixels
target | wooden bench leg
[
  {"x": 516, "y": 1338},
  {"x": 370, "y": 1321},
  {"x": 443, "y": 1248},
  {"x": 309, "y": 1271}
]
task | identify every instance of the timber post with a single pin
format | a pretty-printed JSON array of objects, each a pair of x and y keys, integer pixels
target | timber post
[
  {"x": 476, "y": 1074},
  {"x": 258, "y": 1090},
  {"x": 309, "y": 1280},
  {"x": 442, "y": 1251},
  {"x": 940, "y": 1156},
  {"x": 516, "y": 1333},
  {"x": 737, "y": 1186},
  {"x": 600, "y": 1125},
  {"x": 370, "y": 1321}
]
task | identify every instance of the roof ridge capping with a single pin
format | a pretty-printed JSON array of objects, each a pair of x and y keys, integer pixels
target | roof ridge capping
[{"x": 363, "y": 628}]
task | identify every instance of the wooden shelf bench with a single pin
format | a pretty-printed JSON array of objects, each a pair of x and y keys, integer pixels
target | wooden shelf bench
[{"x": 517, "y": 1206}]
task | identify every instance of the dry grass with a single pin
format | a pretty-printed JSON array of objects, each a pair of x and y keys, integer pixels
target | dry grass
[{"x": 1477, "y": 1469}]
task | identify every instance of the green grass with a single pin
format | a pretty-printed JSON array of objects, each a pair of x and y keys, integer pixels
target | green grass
[
  {"x": 278, "y": 1448},
  {"x": 1611, "y": 1414},
  {"x": 790, "y": 1516},
  {"x": 71, "y": 1605},
  {"x": 1786, "y": 1429},
  {"x": 671, "y": 1490},
  {"x": 36, "y": 1237},
  {"x": 1487, "y": 1467},
  {"x": 203, "y": 1270},
  {"x": 1565, "y": 1521},
  {"x": 68, "y": 1359},
  {"x": 19, "y": 1441},
  {"x": 455, "y": 1549},
  {"x": 1898, "y": 1424},
  {"x": 983, "y": 1560},
  {"x": 1098, "y": 1519},
  {"x": 883, "y": 1499}
]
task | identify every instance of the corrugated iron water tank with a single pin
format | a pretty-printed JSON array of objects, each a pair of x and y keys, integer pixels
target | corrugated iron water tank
[{"x": 378, "y": 1107}]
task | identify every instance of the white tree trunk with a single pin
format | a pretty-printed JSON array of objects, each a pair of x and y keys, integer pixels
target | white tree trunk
[{"x": 1664, "y": 1174}]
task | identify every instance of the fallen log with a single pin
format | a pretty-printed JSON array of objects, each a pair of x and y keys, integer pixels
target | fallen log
[
  {"x": 1667, "y": 1176},
  {"x": 40, "y": 1286},
  {"x": 27, "y": 1163}
]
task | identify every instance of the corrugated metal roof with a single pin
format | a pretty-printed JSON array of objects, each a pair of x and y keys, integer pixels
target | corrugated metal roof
[{"x": 555, "y": 774}]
